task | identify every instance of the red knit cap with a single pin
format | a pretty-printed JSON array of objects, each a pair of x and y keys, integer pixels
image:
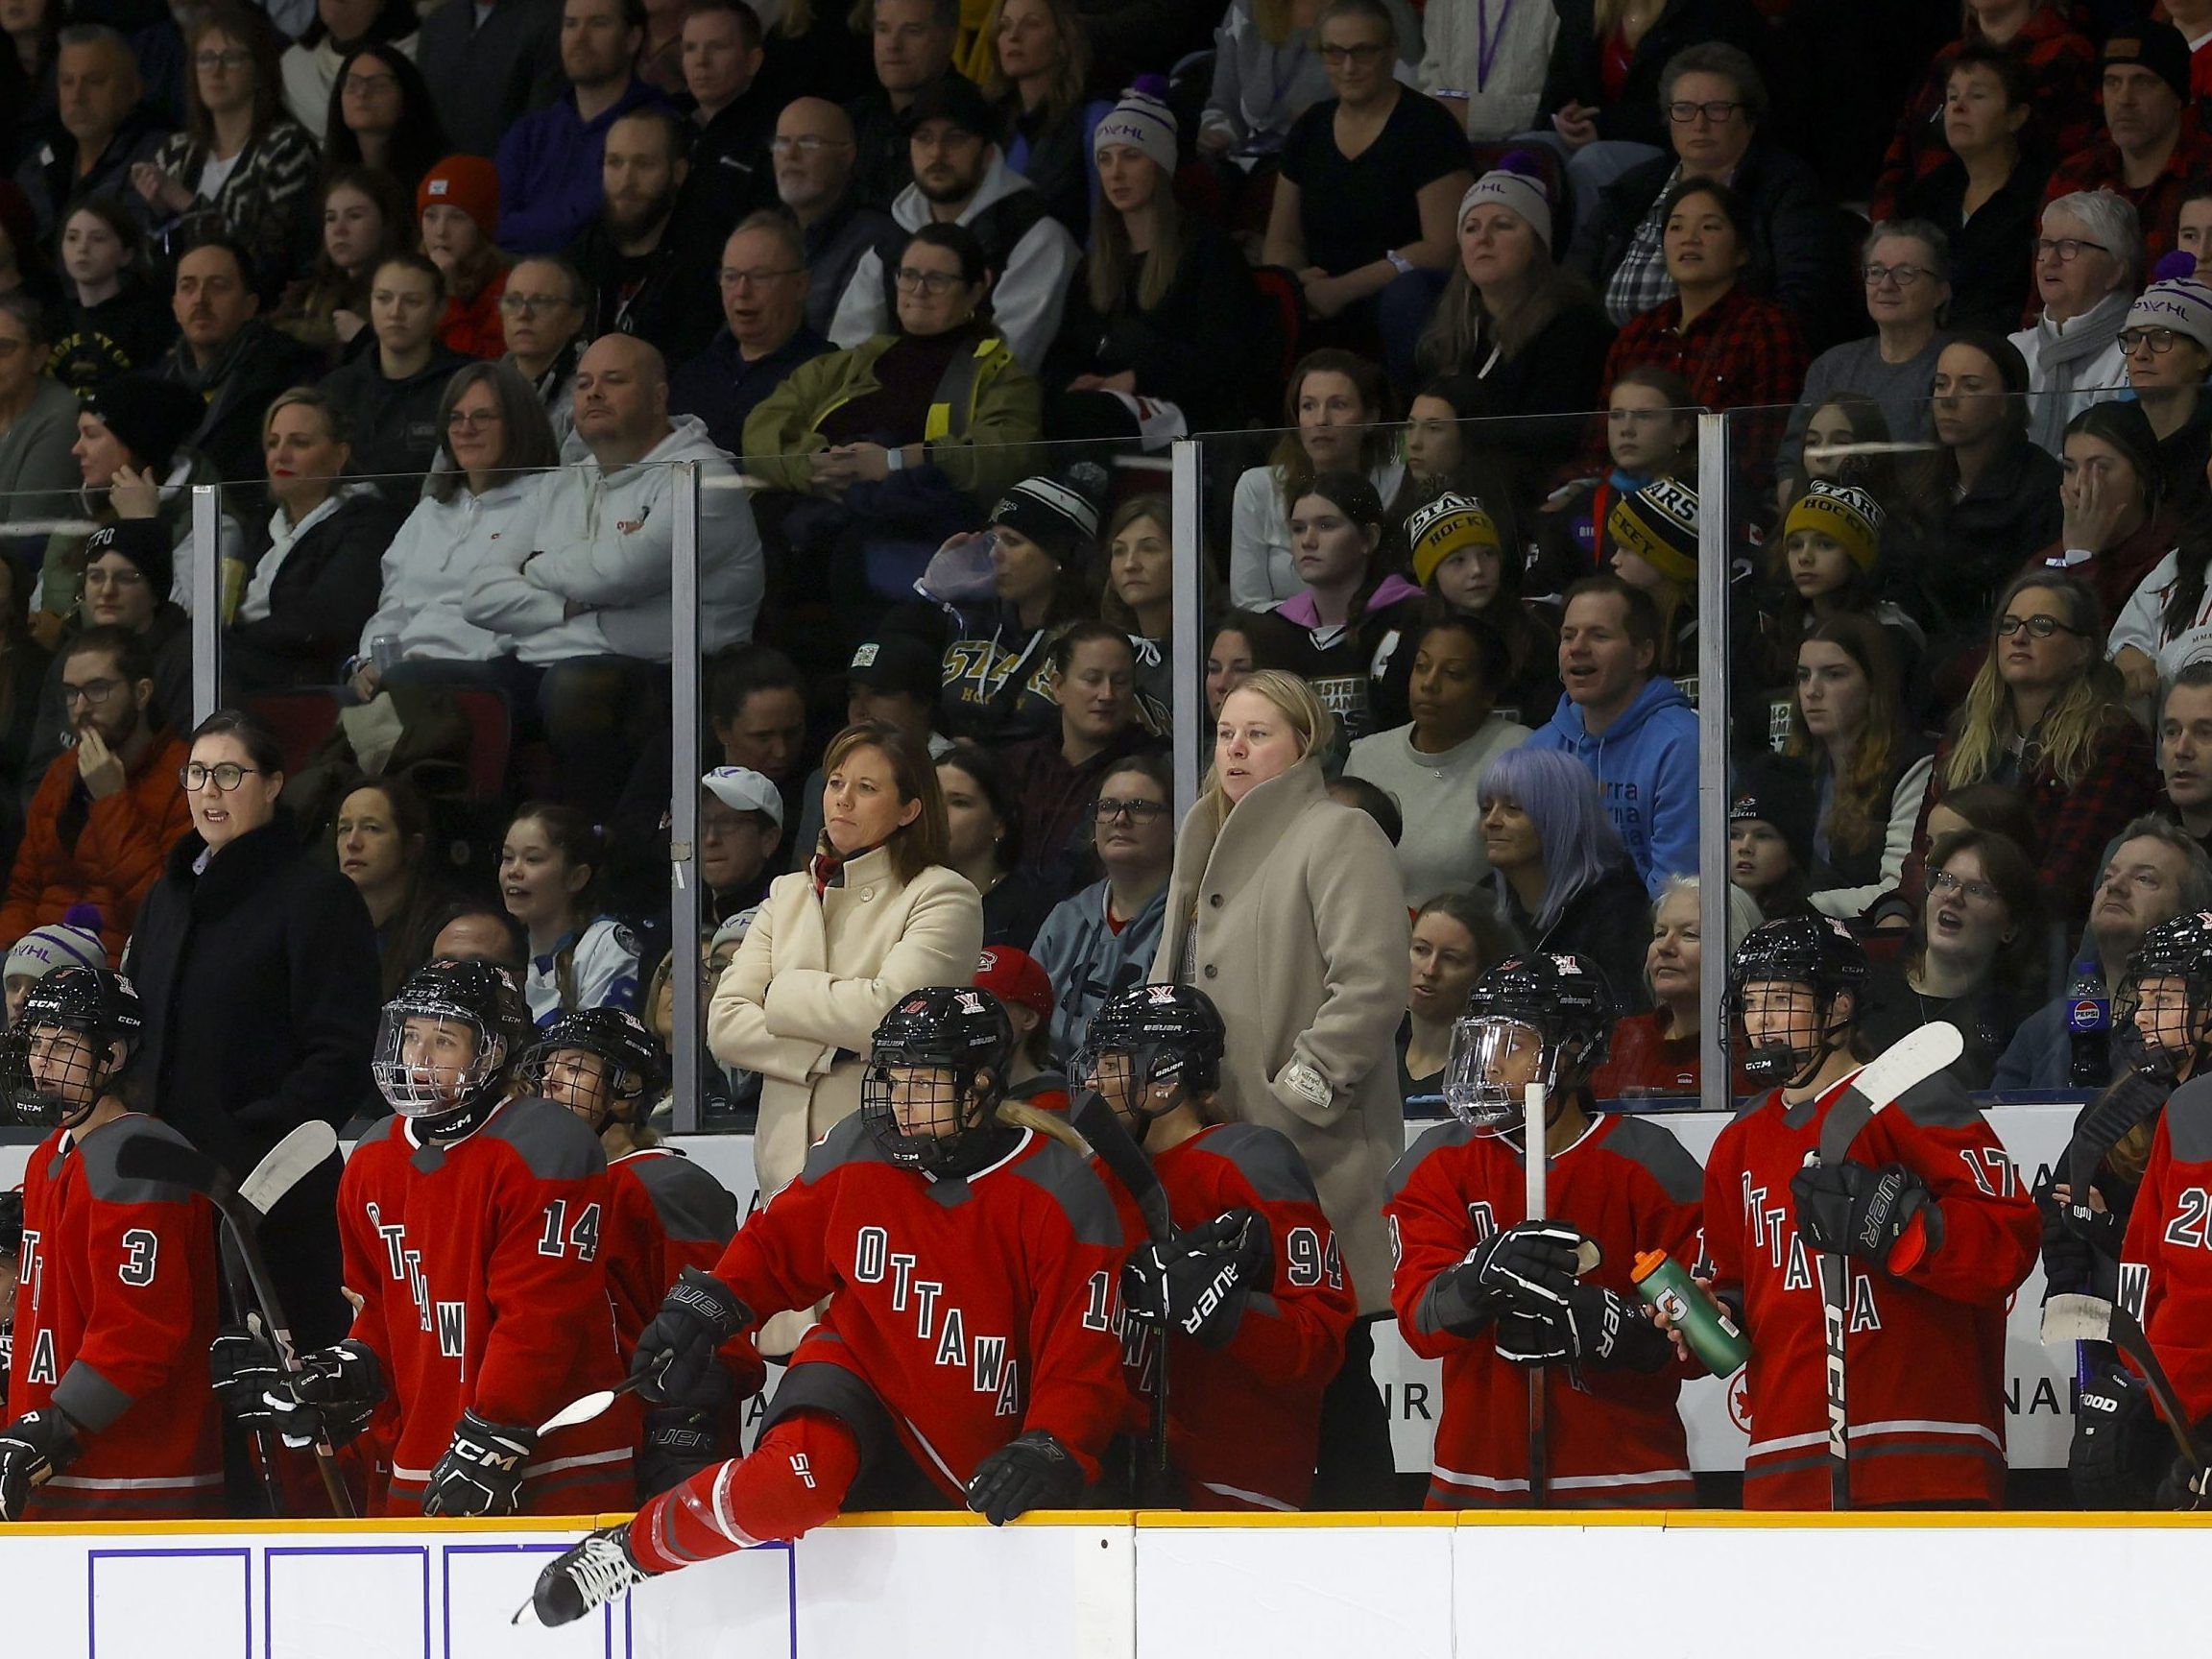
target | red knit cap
[{"x": 468, "y": 182}]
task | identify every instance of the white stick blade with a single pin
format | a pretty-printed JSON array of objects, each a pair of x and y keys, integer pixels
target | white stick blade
[
  {"x": 303, "y": 1149},
  {"x": 1914, "y": 1058},
  {"x": 2076, "y": 1318},
  {"x": 578, "y": 1411}
]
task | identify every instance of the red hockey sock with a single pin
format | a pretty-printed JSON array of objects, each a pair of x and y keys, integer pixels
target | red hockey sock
[{"x": 796, "y": 1479}]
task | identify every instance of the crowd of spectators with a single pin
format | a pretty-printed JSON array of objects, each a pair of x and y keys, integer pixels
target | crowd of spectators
[{"x": 439, "y": 293}]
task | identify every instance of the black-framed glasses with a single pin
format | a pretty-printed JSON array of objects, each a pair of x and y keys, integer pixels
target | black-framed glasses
[
  {"x": 1904, "y": 275},
  {"x": 2159, "y": 340},
  {"x": 1337, "y": 57},
  {"x": 227, "y": 775},
  {"x": 236, "y": 58},
  {"x": 93, "y": 691},
  {"x": 1941, "y": 882},
  {"x": 2067, "y": 248},
  {"x": 2039, "y": 626},
  {"x": 1138, "y": 811},
  {"x": 1715, "y": 112},
  {"x": 361, "y": 86},
  {"x": 755, "y": 278},
  {"x": 472, "y": 419},
  {"x": 914, "y": 281}
]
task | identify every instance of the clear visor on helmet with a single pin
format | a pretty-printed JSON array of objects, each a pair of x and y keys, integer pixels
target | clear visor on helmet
[
  {"x": 1493, "y": 1059},
  {"x": 428, "y": 1064}
]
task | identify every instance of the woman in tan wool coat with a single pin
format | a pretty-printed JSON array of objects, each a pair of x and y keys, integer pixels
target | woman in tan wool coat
[
  {"x": 875, "y": 914},
  {"x": 1288, "y": 911}
]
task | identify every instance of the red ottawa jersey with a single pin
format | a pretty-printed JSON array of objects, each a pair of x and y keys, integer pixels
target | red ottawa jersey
[
  {"x": 1924, "y": 1351},
  {"x": 1615, "y": 1436},
  {"x": 483, "y": 1282},
  {"x": 976, "y": 1309},
  {"x": 113, "y": 1320},
  {"x": 1245, "y": 1418},
  {"x": 665, "y": 1213},
  {"x": 2166, "y": 1265}
]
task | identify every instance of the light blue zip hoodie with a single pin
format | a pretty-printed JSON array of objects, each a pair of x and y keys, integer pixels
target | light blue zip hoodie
[{"x": 1647, "y": 766}]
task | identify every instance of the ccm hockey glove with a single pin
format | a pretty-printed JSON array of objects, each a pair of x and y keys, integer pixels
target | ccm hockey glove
[
  {"x": 481, "y": 1473},
  {"x": 1196, "y": 1283},
  {"x": 1032, "y": 1472},
  {"x": 675, "y": 1353},
  {"x": 33, "y": 1448},
  {"x": 333, "y": 1393},
  {"x": 1852, "y": 1209}
]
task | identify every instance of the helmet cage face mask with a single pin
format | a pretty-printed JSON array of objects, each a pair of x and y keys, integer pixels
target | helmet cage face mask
[
  {"x": 586, "y": 1082},
  {"x": 2169, "y": 1012},
  {"x": 1124, "y": 1075},
  {"x": 924, "y": 1115},
  {"x": 60, "y": 1072},
  {"x": 1494, "y": 1058},
  {"x": 1813, "y": 1033},
  {"x": 432, "y": 1062}
]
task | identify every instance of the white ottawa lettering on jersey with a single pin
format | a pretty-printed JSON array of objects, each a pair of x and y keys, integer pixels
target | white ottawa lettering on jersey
[
  {"x": 419, "y": 1285},
  {"x": 453, "y": 1329},
  {"x": 30, "y": 1269},
  {"x": 44, "y": 1368},
  {"x": 394, "y": 1243},
  {"x": 983, "y": 1356}
]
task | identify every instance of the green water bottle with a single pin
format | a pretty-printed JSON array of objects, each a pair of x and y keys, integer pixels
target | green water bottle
[{"x": 1691, "y": 1308}]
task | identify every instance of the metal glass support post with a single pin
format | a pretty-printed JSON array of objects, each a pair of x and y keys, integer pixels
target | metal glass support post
[
  {"x": 1188, "y": 638},
  {"x": 1713, "y": 552},
  {"x": 683, "y": 800},
  {"x": 207, "y": 600}
]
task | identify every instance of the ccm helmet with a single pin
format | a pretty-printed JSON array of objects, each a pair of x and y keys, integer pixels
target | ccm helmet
[
  {"x": 61, "y": 1051},
  {"x": 1819, "y": 953},
  {"x": 449, "y": 1040}
]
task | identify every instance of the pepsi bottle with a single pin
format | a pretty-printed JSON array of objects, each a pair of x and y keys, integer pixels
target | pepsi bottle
[{"x": 2089, "y": 1025}]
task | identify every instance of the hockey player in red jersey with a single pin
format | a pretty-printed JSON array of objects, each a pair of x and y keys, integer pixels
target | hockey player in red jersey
[
  {"x": 472, "y": 1223},
  {"x": 1252, "y": 1286},
  {"x": 969, "y": 1268},
  {"x": 664, "y": 1213},
  {"x": 112, "y": 1415},
  {"x": 1926, "y": 1208},
  {"x": 1490, "y": 1292}
]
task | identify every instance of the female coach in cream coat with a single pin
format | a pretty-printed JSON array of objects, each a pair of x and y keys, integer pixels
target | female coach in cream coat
[
  {"x": 1288, "y": 911},
  {"x": 875, "y": 915}
]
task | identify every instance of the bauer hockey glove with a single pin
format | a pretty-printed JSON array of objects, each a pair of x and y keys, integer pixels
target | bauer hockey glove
[
  {"x": 1852, "y": 1209},
  {"x": 1591, "y": 1325},
  {"x": 1196, "y": 1282},
  {"x": 331, "y": 1396},
  {"x": 481, "y": 1473},
  {"x": 1031, "y": 1472},
  {"x": 33, "y": 1448},
  {"x": 675, "y": 1353}
]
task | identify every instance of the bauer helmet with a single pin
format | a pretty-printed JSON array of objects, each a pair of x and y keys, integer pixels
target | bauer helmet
[
  {"x": 1818, "y": 953},
  {"x": 936, "y": 1072},
  {"x": 2178, "y": 948},
  {"x": 448, "y": 1042},
  {"x": 1161, "y": 1033},
  {"x": 632, "y": 1068},
  {"x": 60, "y": 1050},
  {"x": 1535, "y": 1019}
]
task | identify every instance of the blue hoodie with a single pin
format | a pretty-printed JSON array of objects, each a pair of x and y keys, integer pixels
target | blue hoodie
[{"x": 1647, "y": 765}]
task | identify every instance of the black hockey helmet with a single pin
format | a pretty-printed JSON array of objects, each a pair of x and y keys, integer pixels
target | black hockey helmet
[
  {"x": 1818, "y": 952},
  {"x": 1170, "y": 1033},
  {"x": 476, "y": 997},
  {"x": 637, "y": 1067},
  {"x": 963, "y": 1035},
  {"x": 1557, "y": 1002},
  {"x": 2178, "y": 948},
  {"x": 100, "y": 1007}
]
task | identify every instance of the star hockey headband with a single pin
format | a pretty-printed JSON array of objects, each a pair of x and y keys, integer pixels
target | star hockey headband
[
  {"x": 1659, "y": 524},
  {"x": 1442, "y": 527},
  {"x": 1844, "y": 514}
]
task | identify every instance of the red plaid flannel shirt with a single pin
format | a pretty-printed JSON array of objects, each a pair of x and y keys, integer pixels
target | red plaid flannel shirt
[
  {"x": 2062, "y": 101},
  {"x": 2158, "y": 204},
  {"x": 1743, "y": 352}
]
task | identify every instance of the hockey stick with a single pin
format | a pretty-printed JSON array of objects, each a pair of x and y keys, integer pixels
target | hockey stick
[
  {"x": 1536, "y": 1162},
  {"x": 285, "y": 1165},
  {"x": 1911, "y": 1060},
  {"x": 2101, "y": 1129},
  {"x": 145, "y": 1157},
  {"x": 1098, "y": 1123},
  {"x": 586, "y": 1407},
  {"x": 2094, "y": 1319}
]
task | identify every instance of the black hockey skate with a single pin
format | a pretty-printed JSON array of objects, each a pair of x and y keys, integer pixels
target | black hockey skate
[{"x": 592, "y": 1573}]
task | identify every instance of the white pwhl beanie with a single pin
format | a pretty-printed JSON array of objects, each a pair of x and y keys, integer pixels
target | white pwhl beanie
[
  {"x": 1143, "y": 122},
  {"x": 1518, "y": 192},
  {"x": 2182, "y": 304}
]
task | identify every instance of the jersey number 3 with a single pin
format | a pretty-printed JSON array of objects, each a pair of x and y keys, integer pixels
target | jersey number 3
[
  {"x": 143, "y": 1250},
  {"x": 559, "y": 1237}
]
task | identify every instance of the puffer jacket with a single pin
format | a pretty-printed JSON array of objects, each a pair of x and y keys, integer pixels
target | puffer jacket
[{"x": 117, "y": 854}]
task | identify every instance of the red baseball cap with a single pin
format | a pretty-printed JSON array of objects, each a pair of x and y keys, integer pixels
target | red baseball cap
[{"x": 1014, "y": 977}]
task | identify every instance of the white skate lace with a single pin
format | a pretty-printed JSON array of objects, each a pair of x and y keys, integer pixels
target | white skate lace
[{"x": 601, "y": 1570}]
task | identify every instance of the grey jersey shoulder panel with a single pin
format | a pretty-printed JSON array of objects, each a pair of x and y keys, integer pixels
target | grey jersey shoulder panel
[
  {"x": 99, "y": 1153},
  {"x": 1662, "y": 1156},
  {"x": 1449, "y": 1134},
  {"x": 847, "y": 1143},
  {"x": 692, "y": 1205},
  {"x": 2188, "y": 1120},
  {"x": 1268, "y": 1159},
  {"x": 553, "y": 1143},
  {"x": 1938, "y": 1102},
  {"x": 1074, "y": 1186}
]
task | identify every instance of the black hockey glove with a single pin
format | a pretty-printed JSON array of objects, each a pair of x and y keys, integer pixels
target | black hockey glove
[
  {"x": 2104, "y": 1230},
  {"x": 334, "y": 1393},
  {"x": 1032, "y": 1472},
  {"x": 35, "y": 1448},
  {"x": 1852, "y": 1209},
  {"x": 2182, "y": 1487},
  {"x": 679, "y": 1441},
  {"x": 2067, "y": 1265},
  {"x": 1198, "y": 1281},
  {"x": 2119, "y": 1444},
  {"x": 1591, "y": 1325},
  {"x": 676, "y": 1351},
  {"x": 1529, "y": 1265},
  {"x": 242, "y": 1366},
  {"x": 481, "y": 1473}
]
